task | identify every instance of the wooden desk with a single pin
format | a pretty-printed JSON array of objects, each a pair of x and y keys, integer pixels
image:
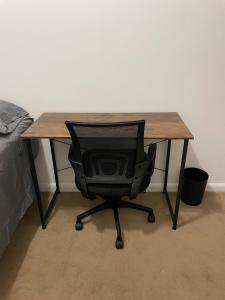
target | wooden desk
[
  {"x": 165, "y": 125},
  {"x": 157, "y": 125}
]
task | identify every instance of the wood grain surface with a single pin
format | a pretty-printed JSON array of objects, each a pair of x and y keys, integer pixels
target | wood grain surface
[{"x": 165, "y": 125}]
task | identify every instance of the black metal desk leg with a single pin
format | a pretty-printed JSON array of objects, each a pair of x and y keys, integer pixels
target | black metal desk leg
[
  {"x": 54, "y": 165},
  {"x": 43, "y": 215},
  {"x": 167, "y": 166},
  {"x": 35, "y": 181},
  {"x": 183, "y": 161}
]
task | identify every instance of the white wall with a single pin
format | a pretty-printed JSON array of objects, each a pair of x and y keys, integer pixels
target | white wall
[{"x": 120, "y": 56}]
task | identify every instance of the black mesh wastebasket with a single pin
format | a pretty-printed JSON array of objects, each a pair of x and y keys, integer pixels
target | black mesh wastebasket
[{"x": 194, "y": 184}]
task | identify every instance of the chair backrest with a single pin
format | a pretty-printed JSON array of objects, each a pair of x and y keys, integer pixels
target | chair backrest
[{"x": 106, "y": 153}]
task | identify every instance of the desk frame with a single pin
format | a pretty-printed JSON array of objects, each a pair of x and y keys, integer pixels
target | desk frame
[
  {"x": 44, "y": 216},
  {"x": 174, "y": 213}
]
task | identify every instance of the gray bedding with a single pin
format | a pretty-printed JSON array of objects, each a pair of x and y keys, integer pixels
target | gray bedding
[
  {"x": 16, "y": 187},
  {"x": 10, "y": 116}
]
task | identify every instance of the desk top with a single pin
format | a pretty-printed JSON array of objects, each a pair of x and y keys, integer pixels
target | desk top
[{"x": 165, "y": 125}]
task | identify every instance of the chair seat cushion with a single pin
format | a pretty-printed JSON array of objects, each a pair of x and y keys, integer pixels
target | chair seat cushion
[
  {"x": 97, "y": 160},
  {"x": 112, "y": 190}
]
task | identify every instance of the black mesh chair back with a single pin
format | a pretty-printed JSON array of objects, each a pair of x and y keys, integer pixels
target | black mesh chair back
[{"x": 107, "y": 152}]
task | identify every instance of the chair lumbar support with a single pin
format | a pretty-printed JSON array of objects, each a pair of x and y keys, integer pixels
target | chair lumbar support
[{"x": 114, "y": 204}]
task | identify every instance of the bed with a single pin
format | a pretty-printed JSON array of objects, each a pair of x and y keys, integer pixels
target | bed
[{"x": 16, "y": 187}]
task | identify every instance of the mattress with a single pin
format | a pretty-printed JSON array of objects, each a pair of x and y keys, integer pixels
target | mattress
[{"x": 16, "y": 186}]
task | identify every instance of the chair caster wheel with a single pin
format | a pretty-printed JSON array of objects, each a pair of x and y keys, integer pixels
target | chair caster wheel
[
  {"x": 151, "y": 218},
  {"x": 119, "y": 244},
  {"x": 79, "y": 225}
]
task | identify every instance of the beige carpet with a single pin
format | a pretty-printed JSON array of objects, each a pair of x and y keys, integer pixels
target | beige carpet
[{"x": 156, "y": 263}]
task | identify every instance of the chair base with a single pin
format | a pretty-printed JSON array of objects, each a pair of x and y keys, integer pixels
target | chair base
[{"x": 114, "y": 204}]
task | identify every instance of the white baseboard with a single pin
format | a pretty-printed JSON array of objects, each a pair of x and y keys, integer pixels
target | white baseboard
[
  {"x": 216, "y": 187},
  {"x": 154, "y": 187}
]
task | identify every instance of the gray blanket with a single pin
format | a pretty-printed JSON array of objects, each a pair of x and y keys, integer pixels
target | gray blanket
[
  {"x": 10, "y": 116},
  {"x": 16, "y": 187}
]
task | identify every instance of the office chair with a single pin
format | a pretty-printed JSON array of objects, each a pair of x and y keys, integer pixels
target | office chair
[{"x": 109, "y": 161}]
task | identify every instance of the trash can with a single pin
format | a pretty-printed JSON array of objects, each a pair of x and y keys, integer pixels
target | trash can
[{"x": 194, "y": 184}]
